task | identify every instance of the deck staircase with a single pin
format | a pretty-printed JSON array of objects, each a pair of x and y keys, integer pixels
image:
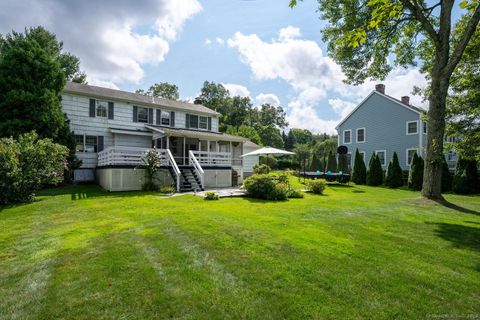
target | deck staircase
[{"x": 189, "y": 180}]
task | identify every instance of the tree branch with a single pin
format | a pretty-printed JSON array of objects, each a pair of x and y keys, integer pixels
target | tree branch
[
  {"x": 460, "y": 48},
  {"x": 418, "y": 13}
]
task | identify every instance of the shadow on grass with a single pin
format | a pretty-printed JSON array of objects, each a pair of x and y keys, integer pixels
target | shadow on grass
[
  {"x": 455, "y": 207},
  {"x": 358, "y": 191},
  {"x": 88, "y": 191},
  {"x": 461, "y": 236}
]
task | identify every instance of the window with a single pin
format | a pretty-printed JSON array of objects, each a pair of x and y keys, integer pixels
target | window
[
  {"x": 381, "y": 154},
  {"x": 86, "y": 143},
  {"x": 412, "y": 127},
  {"x": 361, "y": 135},
  {"x": 223, "y": 146},
  {"x": 203, "y": 122},
  {"x": 80, "y": 145},
  {"x": 90, "y": 144},
  {"x": 410, "y": 153},
  {"x": 165, "y": 118},
  {"x": 193, "y": 123},
  {"x": 142, "y": 115},
  {"x": 424, "y": 127},
  {"x": 347, "y": 136},
  {"x": 101, "y": 108}
]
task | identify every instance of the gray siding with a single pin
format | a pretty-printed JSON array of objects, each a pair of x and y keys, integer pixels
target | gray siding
[{"x": 385, "y": 123}]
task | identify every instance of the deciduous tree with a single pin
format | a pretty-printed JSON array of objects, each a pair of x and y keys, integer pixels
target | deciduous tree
[{"x": 368, "y": 37}]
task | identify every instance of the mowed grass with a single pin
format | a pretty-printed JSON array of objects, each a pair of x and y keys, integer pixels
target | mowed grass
[{"x": 354, "y": 253}]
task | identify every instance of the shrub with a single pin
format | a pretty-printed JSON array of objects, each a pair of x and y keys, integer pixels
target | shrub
[
  {"x": 269, "y": 161},
  {"x": 465, "y": 180},
  {"x": 342, "y": 165},
  {"x": 261, "y": 169},
  {"x": 316, "y": 163},
  {"x": 316, "y": 186},
  {"x": 293, "y": 193},
  {"x": 359, "y": 175},
  {"x": 27, "y": 164},
  {"x": 446, "y": 177},
  {"x": 331, "y": 162},
  {"x": 152, "y": 163},
  {"x": 415, "y": 175},
  {"x": 344, "y": 178},
  {"x": 375, "y": 172},
  {"x": 211, "y": 196},
  {"x": 394, "y": 177},
  {"x": 263, "y": 186},
  {"x": 168, "y": 189}
]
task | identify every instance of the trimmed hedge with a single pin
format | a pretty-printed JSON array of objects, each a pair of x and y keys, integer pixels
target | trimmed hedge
[
  {"x": 465, "y": 180},
  {"x": 316, "y": 186}
]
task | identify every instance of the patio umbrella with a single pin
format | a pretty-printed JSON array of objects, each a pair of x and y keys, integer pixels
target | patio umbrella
[{"x": 267, "y": 151}]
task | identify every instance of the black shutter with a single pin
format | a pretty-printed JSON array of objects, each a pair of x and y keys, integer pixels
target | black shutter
[
  {"x": 92, "y": 108},
  {"x": 135, "y": 114},
  {"x": 159, "y": 112},
  {"x": 209, "y": 123},
  {"x": 99, "y": 143},
  {"x": 172, "y": 119},
  {"x": 187, "y": 121},
  {"x": 110, "y": 110},
  {"x": 150, "y": 115}
]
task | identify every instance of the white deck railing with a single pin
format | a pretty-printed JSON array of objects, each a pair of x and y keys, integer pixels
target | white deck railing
[
  {"x": 173, "y": 164},
  {"x": 213, "y": 159},
  {"x": 196, "y": 165},
  {"x": 129, "y": 156}
]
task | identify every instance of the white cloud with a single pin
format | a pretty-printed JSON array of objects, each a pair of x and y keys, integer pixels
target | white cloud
[
  {"x": 314, "y": 77},
  {"x": 104, "y": 84},
  {"x": 208, "y": 42},
  {"x": 219, "y": 40},
  {"x": 113, "y": 43},
  {"x": 288, "y": 33},
  {"x": 267, "y": 98},
  {"x": 236, "y": 90}
]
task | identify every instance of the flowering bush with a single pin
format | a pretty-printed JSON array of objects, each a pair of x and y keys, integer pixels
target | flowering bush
[
  {"x": 27, "y": 164},
  {"x": 211, "y": 196}
]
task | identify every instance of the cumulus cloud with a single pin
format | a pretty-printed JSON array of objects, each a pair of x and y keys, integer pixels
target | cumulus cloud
[
  {"x": 208, "y": 42},
  {"x": 236, "y": 90},
  {"x": 113, "y": 39},
  {"x": 267, "y": 98},
  {"x": 288, "y": 33},
  {"x": 219, "y": 40},
  {"x": 313, "y": 76}
]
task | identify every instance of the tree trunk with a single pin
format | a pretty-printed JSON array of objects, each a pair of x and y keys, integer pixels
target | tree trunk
[{"x": 432, "y": 174}]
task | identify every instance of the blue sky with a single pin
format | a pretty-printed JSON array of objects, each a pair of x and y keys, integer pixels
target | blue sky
[{"x": 260, "y": 48}]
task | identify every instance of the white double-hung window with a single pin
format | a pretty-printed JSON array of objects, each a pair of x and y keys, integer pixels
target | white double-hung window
[{"x": 347, "y": 136}]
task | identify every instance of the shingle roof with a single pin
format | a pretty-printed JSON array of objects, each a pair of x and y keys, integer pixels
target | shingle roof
[
  {"x": 196, "y": 133},
  {"x": 106, "y": 93}
]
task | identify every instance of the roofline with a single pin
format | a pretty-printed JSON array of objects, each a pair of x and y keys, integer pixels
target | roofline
[
  {"x": 73, "y": 91},
  {"x": 382, "y": 95}
]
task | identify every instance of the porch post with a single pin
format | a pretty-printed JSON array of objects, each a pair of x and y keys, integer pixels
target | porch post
[
  {"x": 184, "y": 151},
  {"x": 168, "y": 142}
]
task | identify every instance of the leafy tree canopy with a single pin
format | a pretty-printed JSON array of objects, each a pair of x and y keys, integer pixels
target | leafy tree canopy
[
  {"x": 161, "y": 90},
  {"x": 367, "y": 38}
]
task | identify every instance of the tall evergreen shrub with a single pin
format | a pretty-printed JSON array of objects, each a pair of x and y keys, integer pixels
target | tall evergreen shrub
[
  {"x": 447, "y": 178},
  {"x": 342, "y": 165},
  {"x": 415, "y": 175},
  {"x": 394, "y": 177},
  {"x": 331, "y": 162},
  {"x": 465, "y": 180},
  {"x": 359, "y": 175},
  {"x": 375, "y": 172}
]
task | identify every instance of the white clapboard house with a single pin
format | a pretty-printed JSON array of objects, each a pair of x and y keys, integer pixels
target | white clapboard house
[{"x": 114, "y": 129}]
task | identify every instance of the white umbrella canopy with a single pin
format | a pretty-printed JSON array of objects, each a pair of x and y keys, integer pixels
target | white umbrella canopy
[{"x": 267, "y": 151}]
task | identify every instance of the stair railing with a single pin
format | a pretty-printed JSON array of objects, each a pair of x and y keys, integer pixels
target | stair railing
[
  {"x": 198, "y": 168},
  {"x": 171, "y": 162}
]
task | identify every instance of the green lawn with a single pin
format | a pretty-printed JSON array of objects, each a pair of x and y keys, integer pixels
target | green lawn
[{"x": 353, "y": 253}]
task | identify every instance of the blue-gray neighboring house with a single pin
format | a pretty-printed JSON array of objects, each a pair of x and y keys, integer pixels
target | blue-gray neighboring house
[{"x": 384, "y": 125}]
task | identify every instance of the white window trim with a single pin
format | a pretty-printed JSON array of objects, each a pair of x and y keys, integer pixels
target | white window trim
[
  {"x": 406, "y": 155},
  {"x": 349, "y": 130},
  {"x": 406, "y": 130},
  {"x": 424, "y": 127},
  {"x": 364, "y": 135},
  {"x": 350, "y": 165},
  {"x": 384, "y": 158}
]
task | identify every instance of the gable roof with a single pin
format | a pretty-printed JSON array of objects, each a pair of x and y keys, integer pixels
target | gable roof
[
  {"x": 107, "y": 93},
  {"x": 399, "y": 102}
]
